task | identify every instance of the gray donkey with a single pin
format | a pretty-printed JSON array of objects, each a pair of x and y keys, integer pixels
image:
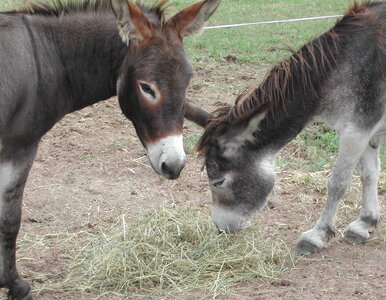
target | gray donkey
[{"x": 338, "y": 78}]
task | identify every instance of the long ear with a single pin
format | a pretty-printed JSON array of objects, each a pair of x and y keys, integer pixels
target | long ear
[
  {"x": 132, "y": 23},
  {"x": 196, "y": 113},
  {"x": 250, "y": 122},
  {"x": 192, "y": 19},
  {"x": 242, "y": 129}
]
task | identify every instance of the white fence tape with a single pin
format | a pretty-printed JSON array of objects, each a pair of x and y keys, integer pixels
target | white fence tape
[{"x": 272, "y": 22}]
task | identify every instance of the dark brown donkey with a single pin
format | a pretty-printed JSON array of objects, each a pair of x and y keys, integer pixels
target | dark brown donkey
[{"x": 59, "y": 58}]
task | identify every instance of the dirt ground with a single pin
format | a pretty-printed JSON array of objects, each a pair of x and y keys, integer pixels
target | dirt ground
[{"x": 91, "y": 169}]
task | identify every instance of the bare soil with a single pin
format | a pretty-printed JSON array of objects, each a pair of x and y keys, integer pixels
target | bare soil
[{"x": 91, "y": 169}]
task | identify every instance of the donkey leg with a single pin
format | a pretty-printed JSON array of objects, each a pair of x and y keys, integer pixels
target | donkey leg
[
  {"x": 352, "y": 145},
  {"x": 13, "y": 175},
  {"x": 358, "y": 231}
]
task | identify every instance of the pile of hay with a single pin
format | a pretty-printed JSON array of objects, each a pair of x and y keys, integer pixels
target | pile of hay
[{"x": 174, "y": 250}]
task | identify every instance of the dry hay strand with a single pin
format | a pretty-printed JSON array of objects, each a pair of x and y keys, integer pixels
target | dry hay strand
[{"x": 172, "y": 251}]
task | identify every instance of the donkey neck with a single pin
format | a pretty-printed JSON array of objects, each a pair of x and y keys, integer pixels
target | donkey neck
[
  {"x": 82, "y": 51},
  {"x": 295, "y": 114}
]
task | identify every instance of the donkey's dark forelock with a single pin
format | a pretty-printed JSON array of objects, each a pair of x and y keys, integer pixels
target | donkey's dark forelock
[{"x": 305, "y": 68}]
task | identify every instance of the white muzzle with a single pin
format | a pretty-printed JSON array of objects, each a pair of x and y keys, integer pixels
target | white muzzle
[{"x": 167, "y": 156}]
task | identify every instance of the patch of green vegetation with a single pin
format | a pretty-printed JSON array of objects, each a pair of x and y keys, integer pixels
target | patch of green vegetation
[
  {"x": 258, "y": 44},
  {"x": 191, "y": 141},
  {"x": 9, "y": 4},
  {"x": 381, "y": 239},
  {"x": 321, "y": 146},
  {"x": 314, "y": 150},
  {"x": 306, "y": 180},
  {"x": 382, "y": 177}
]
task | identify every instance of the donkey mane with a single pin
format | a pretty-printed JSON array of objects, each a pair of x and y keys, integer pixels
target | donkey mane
[
  {"x": 60, "y": 7},
  {"x": 305, "y": 68}
]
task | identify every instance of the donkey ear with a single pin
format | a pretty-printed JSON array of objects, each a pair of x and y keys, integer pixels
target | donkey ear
[
  {"x": 196, "y": 113},
  {"x": 132, "y": 23},
  {"x": 192, "y": 19},
  {"x": 250, "y": 122},
  {"x": 241, "y": 130}
]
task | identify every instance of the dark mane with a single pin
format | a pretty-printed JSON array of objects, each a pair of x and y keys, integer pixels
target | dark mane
[
  {"x": 303, "y": 70},
  {"x": 60, "y": 7}
]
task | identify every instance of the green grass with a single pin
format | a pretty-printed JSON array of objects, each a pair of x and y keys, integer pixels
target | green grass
[
  {"x": 9, "y": 4},
  {"x": 257, "y": 43},
  {"x": 314, "y": 141},
  {"x": 313, "y": 154},
  {"x": 191, "y": 141}
]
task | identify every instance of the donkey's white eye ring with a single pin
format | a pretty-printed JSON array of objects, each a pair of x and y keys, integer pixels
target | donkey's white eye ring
[{"x": 147, "y": 89}]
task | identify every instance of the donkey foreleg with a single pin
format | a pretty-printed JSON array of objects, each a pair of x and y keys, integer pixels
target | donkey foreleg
[
  {"x": 13, "y": 175},
  {"x": 352, "y": 145},
  {"x": 358, "y": 231}
]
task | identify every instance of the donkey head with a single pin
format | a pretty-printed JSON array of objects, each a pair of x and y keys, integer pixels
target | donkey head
[
  {"x": 155, "y": 74},
  {"x": 241, "y": 176}
]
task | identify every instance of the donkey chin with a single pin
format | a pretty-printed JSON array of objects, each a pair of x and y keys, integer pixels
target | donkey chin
[
  {"x": 229, "y": 220},
  {"x": 167, "y": 156}
]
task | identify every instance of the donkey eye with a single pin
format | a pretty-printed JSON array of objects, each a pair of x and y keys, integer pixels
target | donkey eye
[
  {"x": 218, "y": 183},
  {"x": 147, "y": 89}
]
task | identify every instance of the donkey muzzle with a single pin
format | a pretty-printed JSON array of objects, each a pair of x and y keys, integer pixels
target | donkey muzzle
[
  {"x": 229, "y": 220},
  {"x": 167, "y": 156}
]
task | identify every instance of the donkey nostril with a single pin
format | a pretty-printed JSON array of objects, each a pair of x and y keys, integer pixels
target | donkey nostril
[
  {"x": 172, "y": 173},
  {"x": 164, "y": 168}
]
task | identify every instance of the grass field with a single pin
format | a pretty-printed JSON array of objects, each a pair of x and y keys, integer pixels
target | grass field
[
  {"x": 257, "y": 43},
  {"x": 9, "y": 4}
]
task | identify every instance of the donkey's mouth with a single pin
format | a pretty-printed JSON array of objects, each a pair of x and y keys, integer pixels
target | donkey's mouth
[
  {"x": 231, "y": 228},
  {"x": 229, "y": 220}
]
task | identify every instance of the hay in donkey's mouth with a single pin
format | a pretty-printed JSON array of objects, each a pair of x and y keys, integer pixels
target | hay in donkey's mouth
[{"x": 172, "y": 251}]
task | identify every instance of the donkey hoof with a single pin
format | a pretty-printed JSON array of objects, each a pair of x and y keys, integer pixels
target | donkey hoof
[
  {"x": 20, "y": 290},
  {"x": 354, "y": 238},
  {"x": 305, "y": 248},
  {"x": 16, "y": 297},
  {"x": 28, "y": 297}
]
